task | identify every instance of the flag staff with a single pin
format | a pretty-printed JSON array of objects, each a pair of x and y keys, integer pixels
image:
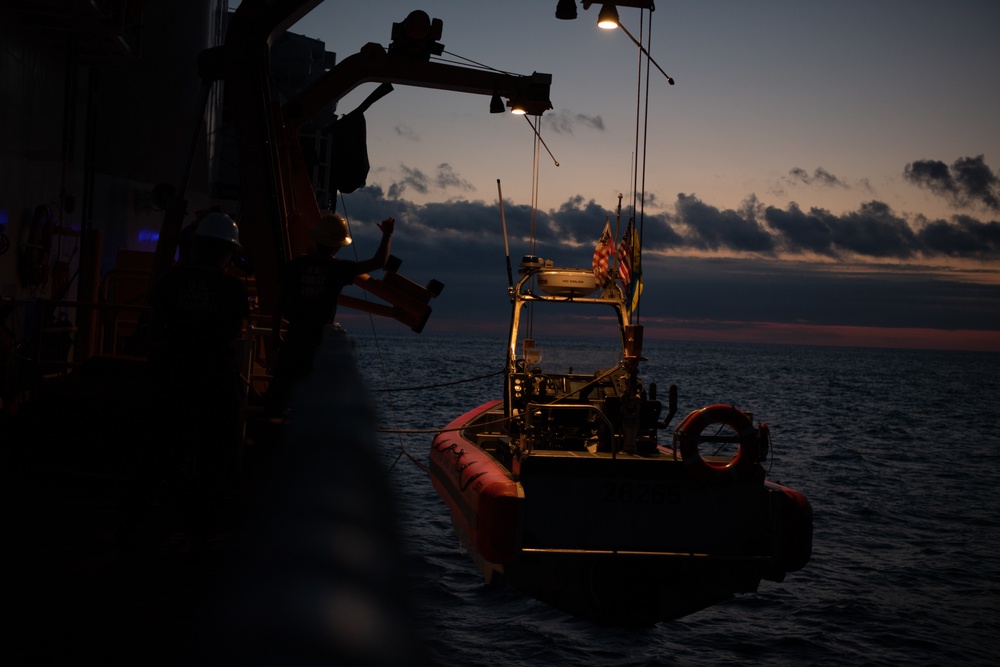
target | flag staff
[{"x": 614, "y": 245}]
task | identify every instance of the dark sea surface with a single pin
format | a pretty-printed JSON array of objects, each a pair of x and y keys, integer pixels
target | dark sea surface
[{"x": 897, "y": 450}]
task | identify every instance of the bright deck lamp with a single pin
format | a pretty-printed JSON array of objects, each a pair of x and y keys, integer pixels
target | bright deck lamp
[{"x": 608, "y": 17}]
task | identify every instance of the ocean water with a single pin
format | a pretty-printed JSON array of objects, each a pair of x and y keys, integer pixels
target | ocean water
[{"x": 897, "y": 450}]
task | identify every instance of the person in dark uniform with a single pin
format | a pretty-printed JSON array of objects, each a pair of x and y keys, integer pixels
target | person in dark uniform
[
  {"x": 309, "y": 288},
  {"x": 196, "y": 323}
]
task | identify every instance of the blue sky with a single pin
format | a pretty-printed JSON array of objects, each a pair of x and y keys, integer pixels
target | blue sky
[{"x": 822, "y": 172}]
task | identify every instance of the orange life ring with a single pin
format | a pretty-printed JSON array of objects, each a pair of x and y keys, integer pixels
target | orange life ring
[{"x": 688, "y": 435}]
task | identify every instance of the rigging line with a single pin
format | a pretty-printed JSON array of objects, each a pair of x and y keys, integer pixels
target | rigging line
[
  {"x": 535, "y": 159},
  {"x": 392, "y": 403},
  {"x": 608, "y": 373},
  {"x": 420, "y": 464},
  {"x": 441, "y": 384},
  {"x": 645, "y": 143},
  {"x": 477, "y": 64},
  {"x": 446, "y": 430},
  {"x": 538, "y": 165},
  {"x": 631, "y": 182},
  {"x": 638, "y": 98}
]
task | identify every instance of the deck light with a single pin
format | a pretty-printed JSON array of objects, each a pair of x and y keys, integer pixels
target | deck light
[
  {"x": 566, "y": 10},
  {"x": 608, "y": 18},
  {"x": 496, "y": 103}
]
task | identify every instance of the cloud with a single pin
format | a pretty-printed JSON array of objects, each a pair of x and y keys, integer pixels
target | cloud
[
  {"x": 873, "y": 232},
  {"x": 412, "y": 179},
  {"x": 820, "y": 176},
  {"x": 563, "y": 121},
  {"x": 447, "y": 178},
  {"x": 968, "y": 182},
  {"x": 444, "y": 178},
  {"x": 762, "y": 269},
  {"x": 711, "y": 228},
  {"x": 406, "y": 132},
  {"x": 963, "y": 237}
]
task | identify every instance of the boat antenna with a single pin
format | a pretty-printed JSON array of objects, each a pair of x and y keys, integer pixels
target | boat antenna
[{"x": 506, "y": 246}]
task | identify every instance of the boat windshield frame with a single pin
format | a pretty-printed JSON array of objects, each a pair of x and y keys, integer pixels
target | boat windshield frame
[{"x": 528, "y": 292}]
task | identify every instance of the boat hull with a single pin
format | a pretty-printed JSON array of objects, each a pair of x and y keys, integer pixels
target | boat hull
[
  {"x": 483, "y": 497},
  {"x": 620, "y": 540}
]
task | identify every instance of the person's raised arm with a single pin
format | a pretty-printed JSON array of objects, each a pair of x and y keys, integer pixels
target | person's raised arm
[{"x": 382, "y": 253}]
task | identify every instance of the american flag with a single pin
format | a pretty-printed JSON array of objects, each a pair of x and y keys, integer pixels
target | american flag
[
  {"x": 602, "y": 253},
  {"x": 625, "y": 256},
  {"x": 630, "y": 268}
]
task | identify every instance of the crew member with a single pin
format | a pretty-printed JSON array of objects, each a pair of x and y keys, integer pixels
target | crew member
[
  {"x": 196, "y": 323},
  {"x": 309, "y": 288}
]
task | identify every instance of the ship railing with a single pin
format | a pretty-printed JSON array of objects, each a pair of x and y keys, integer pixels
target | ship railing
[
  {"x": 257, "y": 351},
  {"x": 52, "y": 337}
]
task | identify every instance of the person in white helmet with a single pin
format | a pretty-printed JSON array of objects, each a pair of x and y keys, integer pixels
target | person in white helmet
[
  {"x": 309, "y": 288},
  {"x": 197, "y": 308},
  {"x": 196, "y": 322}
]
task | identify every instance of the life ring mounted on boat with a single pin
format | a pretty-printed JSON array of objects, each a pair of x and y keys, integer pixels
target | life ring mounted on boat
[{"x": 688, "y": 436}]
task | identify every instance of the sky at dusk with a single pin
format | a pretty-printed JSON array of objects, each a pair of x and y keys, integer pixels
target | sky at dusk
[{"x": 821, "y": 173}]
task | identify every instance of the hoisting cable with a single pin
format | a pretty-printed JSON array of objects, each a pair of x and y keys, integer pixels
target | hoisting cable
[
  {"x": 642, "y": 188},
  {"x": 535, "y": 158},
  {"x": 639, "y": 178}
]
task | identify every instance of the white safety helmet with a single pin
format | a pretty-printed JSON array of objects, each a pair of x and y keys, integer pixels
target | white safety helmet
[
  {"x": 219, "y": 226},
  {"x": 331, "y": 231}
]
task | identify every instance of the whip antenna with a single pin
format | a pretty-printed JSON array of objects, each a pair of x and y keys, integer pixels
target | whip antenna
[{"x": 506, "y": 247}]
